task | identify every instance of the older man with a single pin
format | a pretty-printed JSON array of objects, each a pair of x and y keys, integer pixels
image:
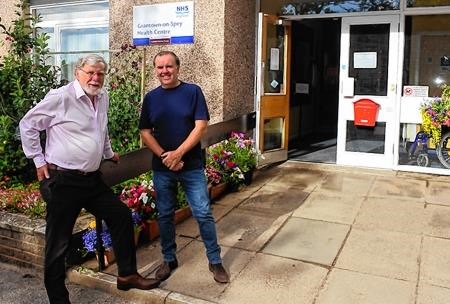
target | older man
[{"x": 75, "y": 120}]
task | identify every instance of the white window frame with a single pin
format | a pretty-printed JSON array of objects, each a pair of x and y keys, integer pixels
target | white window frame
[{"x": 75, "y": 23}]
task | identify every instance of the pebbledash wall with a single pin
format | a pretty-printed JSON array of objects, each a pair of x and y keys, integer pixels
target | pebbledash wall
[
  {"x": 7, "y": 15},
  {"x": 221, "y": 59}
]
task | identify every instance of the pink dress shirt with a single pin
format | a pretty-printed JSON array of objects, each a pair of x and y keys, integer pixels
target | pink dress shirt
[{"x": 77, "y": 133}]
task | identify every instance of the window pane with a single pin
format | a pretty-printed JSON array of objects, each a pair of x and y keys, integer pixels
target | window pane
[
  {"x": 427, "y": 3},
  {"x": 68, "y": 13},
  {"x": 427, "y": 52},
  {"x": 330, "y": 7},
  {"x": 273, "y": 133},
  {"x": 74, "y": 30},
  {"x": 274, "y": 65},
  {"x": 365, "y": 139},
  {"x": 369, "y": 41}
]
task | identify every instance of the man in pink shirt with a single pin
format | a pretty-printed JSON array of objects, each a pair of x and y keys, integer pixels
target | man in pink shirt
[{"x": 74, "y": 118}]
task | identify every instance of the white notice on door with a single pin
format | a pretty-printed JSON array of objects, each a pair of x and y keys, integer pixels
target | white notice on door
[
  {"x": 348, "y": 87},
  {"x": 274, "y": 59},
  {"x": 302, "y": 88},
  {"x": 365, "y": 60}
]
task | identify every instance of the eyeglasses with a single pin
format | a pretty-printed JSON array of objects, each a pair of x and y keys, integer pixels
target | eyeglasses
[{"x": 92, "y": 74}]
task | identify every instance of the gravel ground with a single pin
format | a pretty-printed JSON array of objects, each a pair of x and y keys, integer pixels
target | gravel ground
[{"x": 25, "y": 286}]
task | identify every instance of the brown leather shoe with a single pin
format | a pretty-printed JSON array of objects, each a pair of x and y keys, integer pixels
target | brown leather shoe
[
  {"x": 220, "y": 274},
  {"x": 165, "y": 270},
  {"x": 136, "y": 281}
]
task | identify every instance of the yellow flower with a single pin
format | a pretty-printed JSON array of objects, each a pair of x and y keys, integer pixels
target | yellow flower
[{"x": 92, "y": 225}]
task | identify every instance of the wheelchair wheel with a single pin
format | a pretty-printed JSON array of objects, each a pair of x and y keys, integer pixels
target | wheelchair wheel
[
  {"x": 423, "y": 160},
  {"x": 443, "y": 150}
]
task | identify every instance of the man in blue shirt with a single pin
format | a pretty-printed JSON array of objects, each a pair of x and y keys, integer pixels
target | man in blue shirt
[{"x": 174, "y": 118}]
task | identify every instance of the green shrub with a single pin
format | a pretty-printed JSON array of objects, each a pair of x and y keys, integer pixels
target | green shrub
[
  {"x": 124, "y": 86},
  {"x": 25, "y": 78}
]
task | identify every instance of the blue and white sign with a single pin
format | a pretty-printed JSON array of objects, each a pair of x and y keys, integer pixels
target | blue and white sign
[{"x": 167, "y": 23}]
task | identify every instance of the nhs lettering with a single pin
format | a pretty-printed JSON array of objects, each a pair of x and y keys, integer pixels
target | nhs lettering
[{"x": 183, "y": 8}]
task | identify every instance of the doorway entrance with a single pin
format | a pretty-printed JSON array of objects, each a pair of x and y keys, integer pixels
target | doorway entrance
[
  {"x": 314, "y": 90},
  {"x": 368, "y": 75}
]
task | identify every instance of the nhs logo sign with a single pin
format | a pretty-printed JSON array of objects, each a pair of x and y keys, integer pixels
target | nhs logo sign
[{"x": 182, "y": 9}]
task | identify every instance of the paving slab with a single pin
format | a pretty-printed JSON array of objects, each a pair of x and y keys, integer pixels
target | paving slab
[
  {"x": 347, "y": 183},
  {"x": 428, "y": 294},
  {"x": 275, "y": 202},
  {"x": 391, "y": 186},
  {"x": 438, "y": 221},
  {"x": 438, "y": 193},
  {"x": 234, "y": 199},
  {"x": 389, "y": 254},
  {"x": 248, "y": 230},
  {"x": 189, "y": 227},
  {"x": 308, "y": 240},
  {"x": 392, "y": 214},
  {"x": 336, "y": 208},
  {"x": 307, "y": 180},
  {"x": 348, "y": 287},
  {"x": 193, "y": 278},
  {"x": 435, "y": 262},
  {"x": 270, "y": 279}
]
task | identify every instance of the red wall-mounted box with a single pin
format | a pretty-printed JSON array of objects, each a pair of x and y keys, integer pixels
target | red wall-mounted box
[{"x": 366, "y": 112}]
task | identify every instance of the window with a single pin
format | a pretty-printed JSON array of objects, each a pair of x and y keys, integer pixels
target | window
[
  {"x": 426, "y": 67},
  {"x": 427, "y": 3},
  {"x": 311, "y": 7},
  {"x": 427, "y": 49},
  {"x": 74, "y": 29}
]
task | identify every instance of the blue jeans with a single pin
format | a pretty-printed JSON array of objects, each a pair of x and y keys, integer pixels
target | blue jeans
[{"x": 194, "y": 185}]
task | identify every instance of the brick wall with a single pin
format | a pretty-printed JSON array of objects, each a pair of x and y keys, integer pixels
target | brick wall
[{"x": 22, "y": 240}]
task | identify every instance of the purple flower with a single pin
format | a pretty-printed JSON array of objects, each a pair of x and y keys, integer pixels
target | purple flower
[{"x": 90, "y": 239}]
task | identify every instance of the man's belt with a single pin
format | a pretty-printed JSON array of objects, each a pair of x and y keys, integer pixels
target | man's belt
[{"x": 58, "y": 168}]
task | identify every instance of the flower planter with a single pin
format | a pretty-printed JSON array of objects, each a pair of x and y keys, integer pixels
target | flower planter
[
  {"x": 216, "y": 191},
  {"x": 109, "y": 257},
  {"x": 248, "y": 177},
  {"x": 137, "y": 235},
  {"x": 152, "y": 229}
]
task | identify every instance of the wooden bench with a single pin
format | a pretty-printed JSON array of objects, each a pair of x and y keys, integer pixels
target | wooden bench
[{"x": 135, "y": 163}]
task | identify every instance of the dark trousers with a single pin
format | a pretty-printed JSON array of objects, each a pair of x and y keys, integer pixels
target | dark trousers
[{"x": 66, "y": 193}]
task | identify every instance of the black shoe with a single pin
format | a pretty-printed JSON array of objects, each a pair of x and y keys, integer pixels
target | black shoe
[
  {"x": 220, "y": 274},
  {"x": 165, "y": 270},
  {"x": 136, "y": 281}
]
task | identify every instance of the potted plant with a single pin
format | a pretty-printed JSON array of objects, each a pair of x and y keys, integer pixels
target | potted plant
[
  {"x": 89, "y": 238},
  {"x": 231, "y": 160},
  {"x": 244, "y": 154},
  {"x": 140, "y": 196},
  {"x": 435, "y": 113}
]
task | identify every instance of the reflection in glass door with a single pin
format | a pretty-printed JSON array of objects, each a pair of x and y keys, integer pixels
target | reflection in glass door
[{"x": 368, "y": 73}]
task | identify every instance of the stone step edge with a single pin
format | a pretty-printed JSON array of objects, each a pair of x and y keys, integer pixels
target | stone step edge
[{"x": 107, "y": 283}]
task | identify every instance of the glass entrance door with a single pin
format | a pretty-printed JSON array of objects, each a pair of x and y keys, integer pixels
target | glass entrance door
[
  {"x": 272, "y": 89},
  {"x": 368, "y": 91}
]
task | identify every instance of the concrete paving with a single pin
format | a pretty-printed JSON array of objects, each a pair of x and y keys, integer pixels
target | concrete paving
[{"x": 312, "y": 234}]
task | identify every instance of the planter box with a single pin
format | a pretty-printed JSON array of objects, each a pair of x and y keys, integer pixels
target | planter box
[
  {"x": 22, "y": 240},
  {"x": 216, "y": 191},
  {"x": 108, "y": 257},
  {"x": 152, "y": 230}
]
